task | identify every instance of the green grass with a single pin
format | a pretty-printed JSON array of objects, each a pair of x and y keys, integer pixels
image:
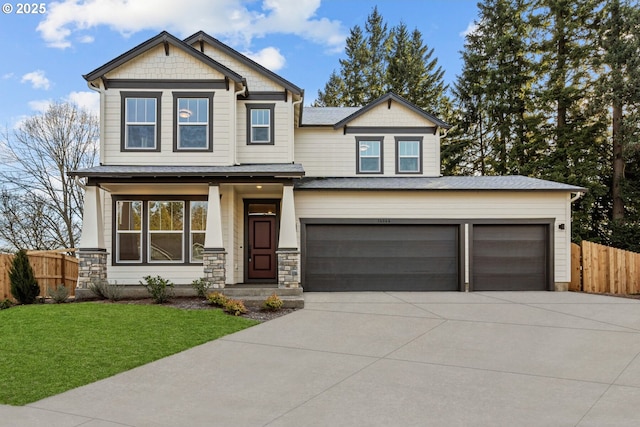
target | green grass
[{"x": 47, "y": 349}]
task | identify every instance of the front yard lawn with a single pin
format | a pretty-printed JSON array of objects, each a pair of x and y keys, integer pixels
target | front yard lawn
[{"x": 50, "y": 348}]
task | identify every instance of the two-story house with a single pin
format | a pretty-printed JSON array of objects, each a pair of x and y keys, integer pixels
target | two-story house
[{"x": 212, "y": 167}]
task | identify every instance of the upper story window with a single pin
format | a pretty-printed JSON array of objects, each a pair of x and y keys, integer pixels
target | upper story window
[
  {"x": 369, "y": 154},
  {"x": 192, "y": 130},
  {"x": 408, "y": 155},
  {"x": 140, "y": 121},
  {"x": 260, "y": 126}
]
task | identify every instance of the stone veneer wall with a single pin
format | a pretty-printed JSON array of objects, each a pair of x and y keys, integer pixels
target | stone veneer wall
[
  {"x": 214, "y": 265},
  {"x": 92, "y": 268},
  {"x": 288, "y": 268}
]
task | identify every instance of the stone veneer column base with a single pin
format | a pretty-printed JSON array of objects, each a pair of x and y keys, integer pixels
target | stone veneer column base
[
  {"x": 92, "y": 269},
  {"x": 288, "y": 268},
  {"x": 214, "y": 264}
]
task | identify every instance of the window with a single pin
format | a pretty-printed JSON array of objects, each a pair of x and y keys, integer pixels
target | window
[
  {"x": 172, "y": 231},
  {"x": 198, "y": 227},
  {"x": 409, "y": 155},
  {"x": 129, "y": 231},
  {"x": 193, "y": 121},
  {"x": 260, "y": 123},
  {"x": 369, "y": 155},
  {"x": 140, "y": 121},
  {"x": 166, "y": 231}
]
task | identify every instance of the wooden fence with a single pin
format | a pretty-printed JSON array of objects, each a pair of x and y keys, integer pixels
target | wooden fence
[
  {"x": 50, "y": 268},
  {"x": 601, "y": 269}
]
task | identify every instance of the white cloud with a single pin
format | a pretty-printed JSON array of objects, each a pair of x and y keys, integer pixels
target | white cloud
[
  {"x": 269, "y": 57},
  {"x": 37, "y": 79},
  {"x": 89, "y": 101},
  {"x": 471, "y": 28},
  {"x": 238, "y": 21},
  {"x": 40, "y": 105},
  {"x": 7, "y": 76}
]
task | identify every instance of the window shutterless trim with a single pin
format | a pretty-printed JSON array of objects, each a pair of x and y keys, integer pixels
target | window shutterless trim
[
  {"x": 176, "y": 124},
  {"x": 123, "y": 119},
  {"x": 379, "y": 139},
  {"x": 271, "y": 108},
  {"x": 420, "y": 154},
  {"x": 186, "y": 230}
]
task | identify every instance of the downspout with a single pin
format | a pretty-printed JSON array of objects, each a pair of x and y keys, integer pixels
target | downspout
[
  {"x": 102, "y": 117},
  {"x": 235, "y": 122},
  {"x": 292, "y": 146},
  {"x": 576, "y": 197}
]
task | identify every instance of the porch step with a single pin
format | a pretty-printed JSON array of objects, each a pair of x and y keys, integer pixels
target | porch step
[{"x": 255, "y": 296}]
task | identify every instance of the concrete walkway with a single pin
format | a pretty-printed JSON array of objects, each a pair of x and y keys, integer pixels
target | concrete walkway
[{"x": 386, "y": 359}]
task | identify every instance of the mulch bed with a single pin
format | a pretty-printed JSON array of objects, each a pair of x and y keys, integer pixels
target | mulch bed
[{"x": 194, "y": 303}]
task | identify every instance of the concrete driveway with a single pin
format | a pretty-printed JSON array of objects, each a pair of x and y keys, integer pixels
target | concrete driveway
[{"x": 386, "y": 359}]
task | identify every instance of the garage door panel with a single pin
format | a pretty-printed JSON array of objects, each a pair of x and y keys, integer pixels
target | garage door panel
[
  {"x": 383, "y": 282},
  {"x": 347, "y": 266},
  {"x": 379, "y": 248},
  {"x": 507, "y": 257},
  {"x": 371, "y": 257}
]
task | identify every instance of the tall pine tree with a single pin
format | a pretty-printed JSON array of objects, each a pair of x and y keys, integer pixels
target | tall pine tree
[{"x": 380, "y": 61}]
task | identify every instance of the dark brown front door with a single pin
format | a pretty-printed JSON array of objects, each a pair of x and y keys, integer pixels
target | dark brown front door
[{"x": 262, "y": 247}]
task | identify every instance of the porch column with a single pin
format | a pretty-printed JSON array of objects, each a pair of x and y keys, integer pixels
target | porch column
[
  {"x": 288, "y": 251},
  {"x": 92, "y": 253},
  {"x": 214, "y": 255}
]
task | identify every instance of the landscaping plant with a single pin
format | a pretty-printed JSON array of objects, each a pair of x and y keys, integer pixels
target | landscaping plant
[
  {"x": 161, "y": 290},
  {"x": 59, "y": 294},
  {"x": 201, "y": 286},
  {"x": 272, "y": 303},
  {"x": 24, "y": 286},
  {"x": 104, "y": 290},
  {"x": 218, "y": 299},
  {"x": 235, "y": 307}
]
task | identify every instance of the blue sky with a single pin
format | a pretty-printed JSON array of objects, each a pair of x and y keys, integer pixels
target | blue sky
[{"x": 46, "y": 52}]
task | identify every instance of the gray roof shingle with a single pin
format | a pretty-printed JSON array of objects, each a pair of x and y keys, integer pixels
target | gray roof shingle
[
  {"x": 328, "y": 116},
  {"x": 277, "y": 169},
  {"x": 444, "y": 183}
]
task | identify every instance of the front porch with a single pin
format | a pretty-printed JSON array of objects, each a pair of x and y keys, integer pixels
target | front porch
[{"x": 246, "y": 239}]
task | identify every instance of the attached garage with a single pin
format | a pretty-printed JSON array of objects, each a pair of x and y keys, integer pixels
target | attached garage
[
  {"x": 511, "y": 257},
  {"x": 346, "y": 256}
]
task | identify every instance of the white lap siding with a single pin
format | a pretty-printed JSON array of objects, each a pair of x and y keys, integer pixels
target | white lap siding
[{"x": 462, "y": 205}]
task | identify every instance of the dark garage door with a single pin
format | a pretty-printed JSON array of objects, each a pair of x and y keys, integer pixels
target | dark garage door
[
  {"x": 510, "y": 257},
  {"x": 388, "y": 257}
]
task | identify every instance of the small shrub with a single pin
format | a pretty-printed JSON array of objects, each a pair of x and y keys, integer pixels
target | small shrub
[
  {"x": 235, "y": 307},
  {"x": 217, "y": 299},
  {"x": 59, "y": 294},
  {"x": 5, "y": 303},
  {"x": 24, "y": 286},
  {"x": 161, "y": 290},
  {"x": 104, "y": 290},
  {"x": 272, "y": 303},
  {"x": 201, "y": 286}
]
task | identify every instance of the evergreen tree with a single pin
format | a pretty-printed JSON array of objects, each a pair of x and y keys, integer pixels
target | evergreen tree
[
  {"x": 381, "y": 61},
  {"x": 574, "y": 130},
  {"x": 494, "y": 92},
  {"x": 377, "y": 50},
  {"x": 24, "y": 286}
]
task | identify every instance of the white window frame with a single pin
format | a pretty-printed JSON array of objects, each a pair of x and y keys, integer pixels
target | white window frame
[
  {"x": 418, "y": 157},
  {"x": 360, "y": 141},
  {"x": 119, "y": 232},
  {"x": 150, "y": 232}
]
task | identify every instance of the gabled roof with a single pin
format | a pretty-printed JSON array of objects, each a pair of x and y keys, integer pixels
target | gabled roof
[
  {"x": 168, "y": 40},
  {"x": 442, "y": 183},
  {"x": 202, "y": 36},
  {"x": 391, "y": 97}
]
